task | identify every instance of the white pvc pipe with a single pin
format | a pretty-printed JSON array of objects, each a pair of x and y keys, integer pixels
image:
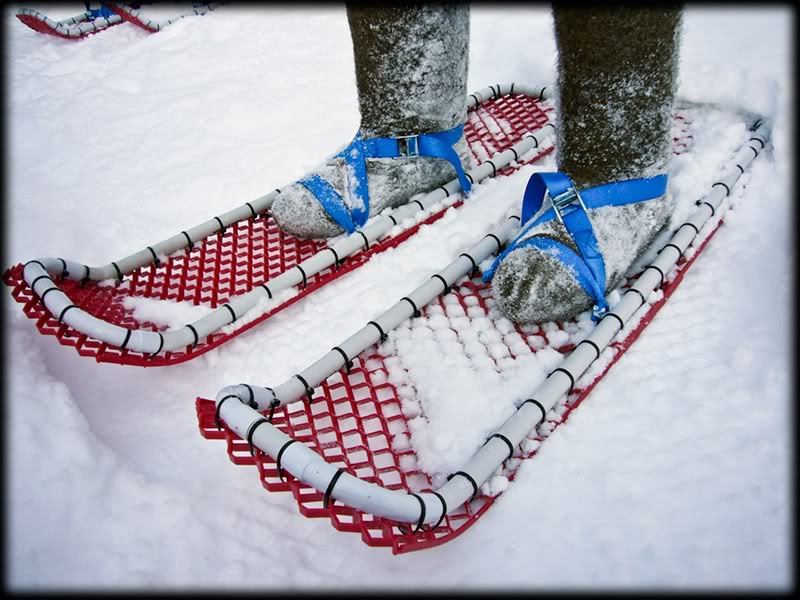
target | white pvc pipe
[
  {"x": 37, "y": 272},
  {"x": 429, "y": 507}
]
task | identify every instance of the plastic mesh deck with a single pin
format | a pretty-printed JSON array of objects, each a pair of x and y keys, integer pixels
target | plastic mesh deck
[
  {"x": 248, "y": 254},
  {"x": 355, "y": 416}
]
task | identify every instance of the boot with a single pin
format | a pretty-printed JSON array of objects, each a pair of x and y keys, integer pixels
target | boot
[
  {"x": 617, "y": 77},
  {"x": 411, "y": 75}
]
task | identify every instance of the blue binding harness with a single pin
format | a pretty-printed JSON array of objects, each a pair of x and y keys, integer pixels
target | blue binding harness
[
  {"x": 350, "y": 218},
  {"x": 569, "y": 207}
]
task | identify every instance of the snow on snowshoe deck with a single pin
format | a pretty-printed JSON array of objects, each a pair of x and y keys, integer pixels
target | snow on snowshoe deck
[
  {"x": 357, "y": 416},
  {"x": 250, "y": 253}
]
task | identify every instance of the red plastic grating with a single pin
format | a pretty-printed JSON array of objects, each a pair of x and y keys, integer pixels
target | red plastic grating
[
  {"x": 249, "y": 253},
  {"x": 355, "y": 415},
  {"x": 42, "y": 27}
]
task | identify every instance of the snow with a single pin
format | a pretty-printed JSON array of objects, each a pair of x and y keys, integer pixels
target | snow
[{"x": 673, "y": 474}]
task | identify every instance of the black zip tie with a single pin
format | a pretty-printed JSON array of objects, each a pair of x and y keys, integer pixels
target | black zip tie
[
  {"x": 63, "y": 312},
  {"x": 252, "y": 210},
  {"x": 392, "y": 218},
  {"x": 383, "y": 337},
  {"x": 280, "y": 455},
  {"x": 160, "y": 345},
  {"x": 444, "y": 283},
  {"x": 496, "y": 239},
  {"x": 468, "y": 176},
  {"x": 188, "y": 239},
  {"x": 665, "y": 246},
  {"x": 515, "y": 217},
  {"x": 568, "y": 374},
  {"x": 252, "y": 403},
  {"x": 469, "y": 478},
  {"x": 755, "y": 139},
  {"x": 477, "y": 103},
  {"x": 516, "y": 157},
  {"x": 692, "y": 225},
  {"x": 219, "y": 406},
  {"x": 511, "y": 93},
  {"x": 127, "y": 339},
  {"x": 421, "y": 512},
  {"x": 64, "y": 271},
  {"x": 196, "y": 338},
  {"x": 541, "y": 94},
  {"x": 506, "y": 440},
  {"x": 47, "y": 291},
  {"x": 713, "y": 212},
  {"x": 494, "y": 92},
  {"x": 250, "y": 431},
  {"x": 418, "y": 203},
  {"x": 309, "y": 390},
  {"x": 34, "y": 261},
  {"x": 119, "y": 273},
  {"x": 335, "y": 257},
  {"x": 50, "y": 279},
  {"x": 756, "y": 124},
  {"x": 617, "y": 317},
  {"x": 660, "y": 272},
  {"x": 266, "y": 289},
  {"x": 533, "y": 137},
  {"x": 444, "y": 510},
  {"x": 414, "y": 306},
  {"x": 447, "y": 194},
  {"x": 641, "y": 295},
  {"x": 305, "y": 281},
  {"x": 472, "y": 260},
  {"x": 741, "y": 168},
  {"x": 155, "y": 257},
  {"x": 327, "y": 497},
  {"x": 221, "y": 226},
  {"x": 272, "y": 406},
  {"x": 494, "y": 169},
  {"x": 537, "y": 403},
  {"x": 593, "y": 345},
  {"x": 233, "y": 314},
  {"x": 754, "y": 151},
  {"x": 727, "y": 189},
  {"x": 348, "y": 364},
  {"x": 366, "y": 241}
]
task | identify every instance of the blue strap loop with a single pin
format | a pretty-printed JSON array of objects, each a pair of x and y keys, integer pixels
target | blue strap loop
[
  {"x": 354, "y": 216},
  {"x": 570, "y": 207}
]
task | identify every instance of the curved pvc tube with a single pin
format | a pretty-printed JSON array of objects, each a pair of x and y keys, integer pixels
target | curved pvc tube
[
  {"x": 64, "y": 26},
  {"x": 150, "y": 342},
  {"x": 154, "y": 26},
  {"x": 312, "y": 469}
]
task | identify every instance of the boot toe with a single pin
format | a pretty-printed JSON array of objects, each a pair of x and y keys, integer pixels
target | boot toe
[
  {"x": 297, "y": 211},
  {"x": 532, "y": 286}
]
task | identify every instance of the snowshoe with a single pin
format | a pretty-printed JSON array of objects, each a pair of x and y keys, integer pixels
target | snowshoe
[
  {"x": 240, "y": 267},
  {"x": 73, "y": 28},
  {"x": 146, "y": 19},
  {"x": 360, "y": 448}
]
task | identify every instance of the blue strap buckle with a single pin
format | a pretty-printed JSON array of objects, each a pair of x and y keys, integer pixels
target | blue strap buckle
[
  {"x": 564, "y": 200},
  {"x": 407, "y": 145}
]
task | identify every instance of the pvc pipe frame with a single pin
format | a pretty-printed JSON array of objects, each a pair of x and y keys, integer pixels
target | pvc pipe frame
[
  {"x": 38, "y": 273},
  {"x": 63, "y": 26},
  {"x": 159, "y": 25},
  {"x": 431, "y": 507}
]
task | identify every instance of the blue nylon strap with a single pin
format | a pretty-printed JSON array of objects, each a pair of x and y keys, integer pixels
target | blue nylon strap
[
  {"x": 588, "y": 266},
  {"x": 351, "y": 218}
]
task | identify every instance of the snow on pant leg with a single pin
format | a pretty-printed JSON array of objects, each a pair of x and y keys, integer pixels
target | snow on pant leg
[
  {"x": 411, "y": 75},
  {"x": 617, "y": 78}
]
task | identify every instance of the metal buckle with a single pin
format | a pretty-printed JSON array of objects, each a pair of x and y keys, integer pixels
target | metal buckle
[
  {"x": 407, "y": 145},
  {"x": 565, "y": 199}
]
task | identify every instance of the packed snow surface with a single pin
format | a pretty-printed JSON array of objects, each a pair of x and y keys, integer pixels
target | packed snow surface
[{"x": 674, "y": 473}]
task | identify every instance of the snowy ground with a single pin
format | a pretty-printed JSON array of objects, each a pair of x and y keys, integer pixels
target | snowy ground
[{"x": 674, "y": 474}]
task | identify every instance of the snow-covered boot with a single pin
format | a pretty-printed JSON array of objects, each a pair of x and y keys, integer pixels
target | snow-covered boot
[
  {"x": 411, "y": 75},
  {"x": 617, "y": 78}
]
